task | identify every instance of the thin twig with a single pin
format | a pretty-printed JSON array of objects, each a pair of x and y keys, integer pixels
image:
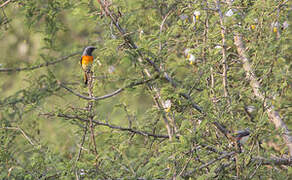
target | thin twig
[
  {"x": 158, "y": 101},
  {"x": 93, "y": 98},
  {"x": 187, "y": 163},
  {"x": 40, "y": 65},
  {"x": 22, "y": 132},
  {"x": 82, "y": 143},
  {"x": 161, "y": 28},
  {"x": 80, "y": 150},
  {"x": 135, "y": 131},
  {"x": 251, "y": 176},
  {"x": 273, "y": 161},
  {"x": 223, "y": 130},
  {"x": 91, "y": 115},
  {"x": 224, "y": 58},
  {"x": 209, "y": 163},
  {"x": 116, "y": 92}
]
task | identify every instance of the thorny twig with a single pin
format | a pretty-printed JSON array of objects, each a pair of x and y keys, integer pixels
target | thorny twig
[
  {"x": 116, "y": 92},
  {"x": 40, "y": 65},
  {"x": 131, "y": 130}
]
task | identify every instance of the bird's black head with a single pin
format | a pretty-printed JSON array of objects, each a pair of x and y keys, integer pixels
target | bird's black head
[{"x": 88, "y": 51}]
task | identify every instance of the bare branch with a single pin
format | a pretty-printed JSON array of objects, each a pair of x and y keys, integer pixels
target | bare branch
[
  {"x": 222, "y": 129},
  {"x": 224, "y": 57},
  {"x": 274, "y": 161},
  {"x": 21, "y": 131},
  {"x": 5, "y": 3},
  {"x": 194, "y": 105},
  {"x": 227, "y": 155},
  {"x": 40, "y": 65},
  {"x": 263, "y": 161},
  {"x": 161, "y": 27},
  {"x": 82, "y": 143},
  {"x": 91, "y": 116},
  {"x": 107, "y": 95},
  {"x": 93, "y": 98},
  {"x": 143, "y": 133},
  {"x": 254, "y": 83},
  {"x": 158, "y": 101}
]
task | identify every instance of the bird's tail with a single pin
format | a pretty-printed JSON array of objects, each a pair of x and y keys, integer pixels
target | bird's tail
[{"x": 85, "y": 78}]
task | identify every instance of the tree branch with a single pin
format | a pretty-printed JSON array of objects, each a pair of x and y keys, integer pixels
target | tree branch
[
  {"x": 209, "y": 163},
  {"x": 274, "y": 161},
  {"x": 143, "y": 133},
  {"x": 263, "y": 161},
  {"x": 118, "y": 91},
  {"x": 131, "y": 44},
  {"x": 254, "y": 83},
  {"x": 21, "y": 131},
  {"x": 40, "y": 65},
  {"x": 82, "y": 143},
  {"x": 5, "y": 3},
  {"x": 224, "y": 58}
]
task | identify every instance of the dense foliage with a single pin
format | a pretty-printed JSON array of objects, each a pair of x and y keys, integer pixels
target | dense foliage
[{"x": 176, "y": 75}]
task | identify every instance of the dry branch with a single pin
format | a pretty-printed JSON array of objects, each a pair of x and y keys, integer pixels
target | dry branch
[
  {"x": 40, "y": 65},
  {"x": 254, "y": 83},
  {"x": 263, "y": 161},
  {"x": 105, "y": 8},
  {"x": 5, "y": 3},
  {"x": 22, "y": 132},
  {"x": 116, "y": 92},
  {"x": 224, "y": 57},
  {"x": 135, "y": 131},
  {"x": 91, "y": 116},
  {"x": 227, "y": 155},
  {"x": 274, "y": 161}
]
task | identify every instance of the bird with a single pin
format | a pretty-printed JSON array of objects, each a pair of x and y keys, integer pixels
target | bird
[
  {"x": 241, "y": 137},
  {"x": 86, "y": 61},
  {"x": 238, "y": 138}
]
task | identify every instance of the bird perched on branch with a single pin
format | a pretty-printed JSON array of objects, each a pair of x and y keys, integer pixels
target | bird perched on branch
[
  {"x": 86, "y": 61},
  {"x": 242, "y": 135},
  {"x": 238, "y": 137}
]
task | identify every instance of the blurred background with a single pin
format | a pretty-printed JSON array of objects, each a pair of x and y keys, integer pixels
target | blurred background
[{"x": 184, "y": 38}]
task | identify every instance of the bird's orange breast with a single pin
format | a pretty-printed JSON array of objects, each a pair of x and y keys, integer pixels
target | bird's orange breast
[{"x": 87, "y": 60}]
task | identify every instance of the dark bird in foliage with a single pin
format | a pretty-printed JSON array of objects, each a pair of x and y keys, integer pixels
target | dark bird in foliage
[
  {"x": 238, "y": 137},
  {"x": 241, "y": 137},
  {"x": 86, "y": 61}
]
